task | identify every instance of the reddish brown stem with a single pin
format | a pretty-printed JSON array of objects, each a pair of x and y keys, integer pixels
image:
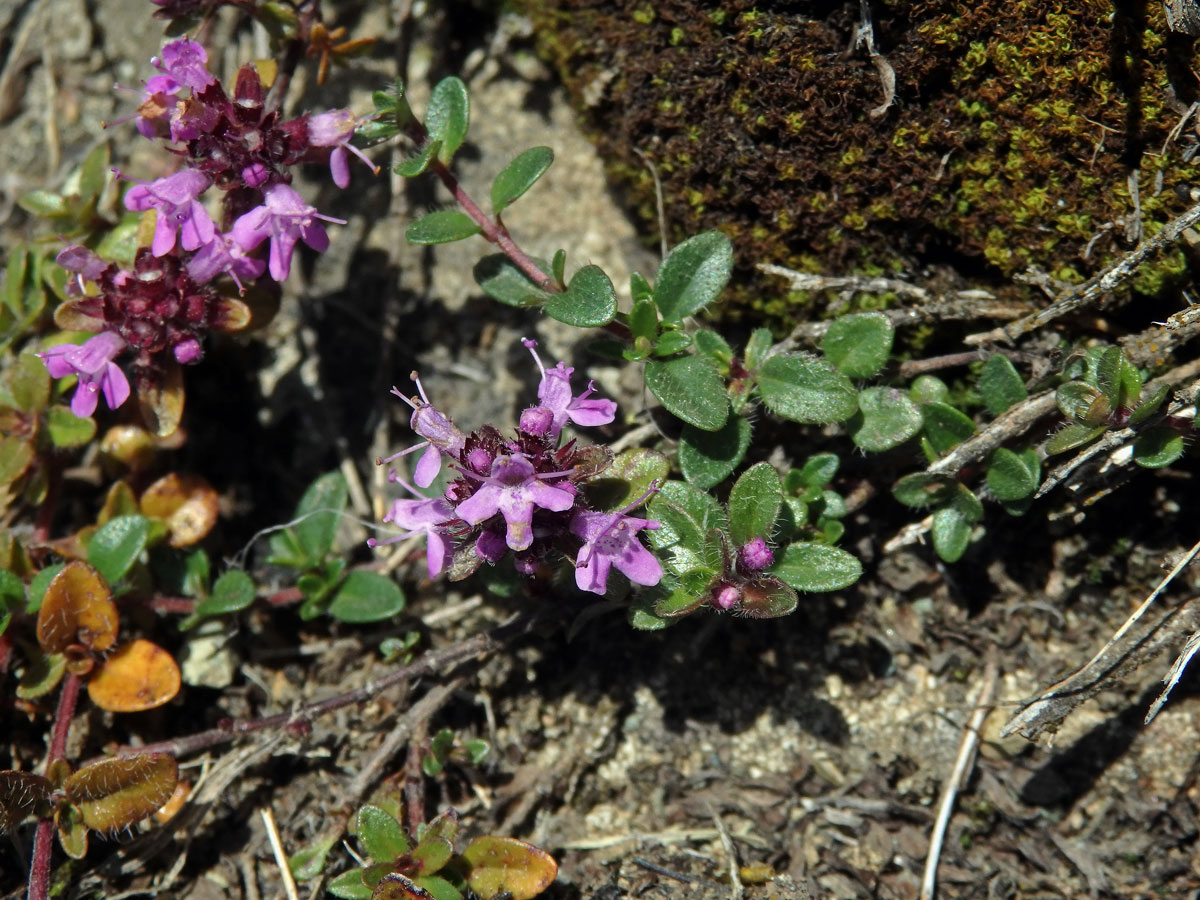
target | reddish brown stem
[
  {"x": 43, "y": 837},
  {"x": 414, "y": 781},
  {"x": 291, "y": 58}
]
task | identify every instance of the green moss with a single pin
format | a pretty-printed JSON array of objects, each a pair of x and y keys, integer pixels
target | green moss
[{"x": 1011, "y": 140}]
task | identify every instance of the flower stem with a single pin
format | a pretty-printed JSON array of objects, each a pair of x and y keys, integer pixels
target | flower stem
[{"x": 43, "y": 838}]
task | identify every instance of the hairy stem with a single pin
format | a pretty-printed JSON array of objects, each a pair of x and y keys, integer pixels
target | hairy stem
[{"x": 43, "y": 838}]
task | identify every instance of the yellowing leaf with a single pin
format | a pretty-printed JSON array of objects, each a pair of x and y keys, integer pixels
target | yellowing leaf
[
  {"x": 187, "y": 503},
  {"x": 140, "y": 675},
  {"x": 116, "y": 793},
  {"x": 500, "y": 864},
  {"x": 77, "y": 609}
]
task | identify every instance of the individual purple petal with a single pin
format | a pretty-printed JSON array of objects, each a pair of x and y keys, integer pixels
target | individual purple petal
[
  {"x": 427, "y": 516},
  {"x": 610, "y": 539},
  {"x": 93, "y": 362},
  {"x": 490, "y": 546},
  {"x": 223, "y": 254},
  {"x": 428, "y": 466},
  {"x": 513, "y": 490},
  {"x": 174, "y": 198},
  {"x": 555, "y": 394},
  {"x": 335, "y": 129},
  {"x": 184, "y": 60},
  {"x": 285, "y": 218}
]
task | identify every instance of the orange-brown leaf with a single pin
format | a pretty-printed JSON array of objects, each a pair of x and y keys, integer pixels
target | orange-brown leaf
[
  {"x": 115, "y": 793},
  {"x": 162, "y": 404},
  {"x": 77, "y": 609},
  {"x": 168, "y": 810},
  {"x": 70, "y": 316},
  {"x": 500, "y": 864},
  {"x": 129, "y": 447},
  {"x": 187, "y": 503},
  {"x": 139, "y": 675}
]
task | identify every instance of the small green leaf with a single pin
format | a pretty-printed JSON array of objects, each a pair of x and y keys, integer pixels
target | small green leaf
[
  {"x": 819, "y": 469},
  {"x": 588, "y": 302},
  {"x": 94, "y": 172},
  {"x": 709, "y": 343},
  {"x": 757, "y": 347},
  {"x": 693, "y": 275},
  {"x": 816, "y": 567},
  {"x": 691, "y": 389},
  {"x": 67, "y": 430},
  {"x": 629, "y": 477},
  {"x": 38, "y": 584},
  {"x": 232, "y": 592},
  {"x": 439, "y": 888},
  {"x": 929, "y": 387},
  {"x": 945, "y": 426},
  {"x": 448, "y": 115},
  {"x": 419, "y": 161},
  {"x": 442, "y": 227},
  {"x": 15, "y": 456},
  {"x": 44, "y": 204},
  {"x": 1009, "y": 478},
  {"x": 366, "y": 597},
  {"x": 642, "y": 618},
  {"x": 519, "y": 176},
  {"x": 858, "y": 345},
  {"x": 503, "y": 281},
  {"x": 707, "y": 458},
  {"x": 1108, "y": 375},
  {"x": 886, "y": 418},
  {"x": 643, "y": 319},
  {"x": 1000, "y": 385},
  {"x": 1075, "y": 399},
  {"x": 117, "y": 545},
  {"x": 349, "y": 886},
  {"x": 919, "y": 489},
  {"x": 806, "y": 389},
  {"x": 687, "y": 515},
  {"x": 30, "y": 384},
  {"x": 639, "y": 288},
  {"x": 1157, "y": 447},
  {"x": 754, "y": 503},
  {"x": 951, "y": 534},
  {"x": 308, "y": 863},
  {"x": 1150, "y": 405},
  {"x": 432, "y": 853},
  {"x": 12, "y": 597},
  {"x": 671, "y": 342},
  {"x": 320, "y": 511},
  {"x": 1072, "y": 436},
  {"x": 558, "y": 267},
  {"x": 382, "y": 836},
  {"x": 968, "y": 505}
]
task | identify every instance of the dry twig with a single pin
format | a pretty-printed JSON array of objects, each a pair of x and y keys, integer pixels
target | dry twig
[{"x": 281, "y": 859}]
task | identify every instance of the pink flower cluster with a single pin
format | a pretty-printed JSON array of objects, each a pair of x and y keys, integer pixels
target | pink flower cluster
[
  {"x": 238, "y": 143},
  {"x": 522, "y": 495}
]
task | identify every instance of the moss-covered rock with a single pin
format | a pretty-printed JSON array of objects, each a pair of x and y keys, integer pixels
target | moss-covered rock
[{"x": 1014, "y": 131}]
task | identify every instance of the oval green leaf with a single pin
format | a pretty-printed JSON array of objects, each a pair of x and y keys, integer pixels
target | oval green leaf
[
  {"x": 945, "y": 426},
  {"x": 417, "y": 163},
  {"x": 67, "y": 430},
  {"x": 858, "y": 345},
  {"x": 1157, "y": 447},
  {"x": 519, "y": 176},
  {"x": 448, "y": 115},
  {"x": 951, "y": 534},
  {"x": 629, "y": 477},
  {"x": 1000, "y": 385},
  {"x": 754, "y": 503},
  {"x": 366, "y": 597},
  {"x": 886, "y": 418},
  {"x": 816, "y": 567},
  {"x": 442, "y": 227},
  {"x": 588, "y": 302},
  {"x": 806, "y": 389},
  {"x": 1010, "y": 478},
  {"x": 707, "y": 458},
  {"x": 232, "y": 592},
  {"x": 320, "y": 510},
  {"x": 117, "y": 545},
  {"x": 382, "y": 836},
  {"x": 919, "y": 489},
  {"x": 693, "y": 275},
  {"x": 499, "y": 864},
  {"x": 503, "y": 281},
  {"x": 691, "y": 389}
]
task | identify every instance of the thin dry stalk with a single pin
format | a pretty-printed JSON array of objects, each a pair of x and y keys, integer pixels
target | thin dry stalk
[
  {"x": 281, "y": 859},
  {"x": 963, "y": 764},
  {"x": 1174, "y": 674}
]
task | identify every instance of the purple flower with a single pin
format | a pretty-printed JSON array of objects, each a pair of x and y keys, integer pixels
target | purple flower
[
  {"x": 513, "y": 489},
  {"x": 610, "y": 539},
  {"x": 223, "y": 254},
  {"x": 755, "y": 555},
  {"x": 183, "y": 61},
  {"x": 334, "y": 129},
  {"x": 174, "y": 198},
  {"x": 284, "y": 218},
  {"x": 441, "y": 436},
  {"x": 93, "y": 362},
  {"x": 555, "y": 394},
  {"x": 423, "y": 516}
]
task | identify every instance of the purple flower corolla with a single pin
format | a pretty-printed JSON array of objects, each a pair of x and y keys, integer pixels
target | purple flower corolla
[
  {"x": 86, "y": 264},
  {"x": 755, "y": 555},
  {"x": 441, "y": 436},
  {"x": 555, "y": 394},
  {"x": 93, "y": 362},
  {"x": 513, "y": 489},
  {"x": 174, "y": 199},
  {"x": 183, "y": 62},
  {"x": 422, "y": 516},
  {"x": 610, "y": 539},
  {"x": 284, "y": 218},
  {"x": 223, "y": 254},
  {"x": 334, "y": 129}
]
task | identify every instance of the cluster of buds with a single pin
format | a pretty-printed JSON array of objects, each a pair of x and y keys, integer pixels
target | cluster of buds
[
  {"x": 162, "y": 309},
  {"x": 523, "y": 495}
]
